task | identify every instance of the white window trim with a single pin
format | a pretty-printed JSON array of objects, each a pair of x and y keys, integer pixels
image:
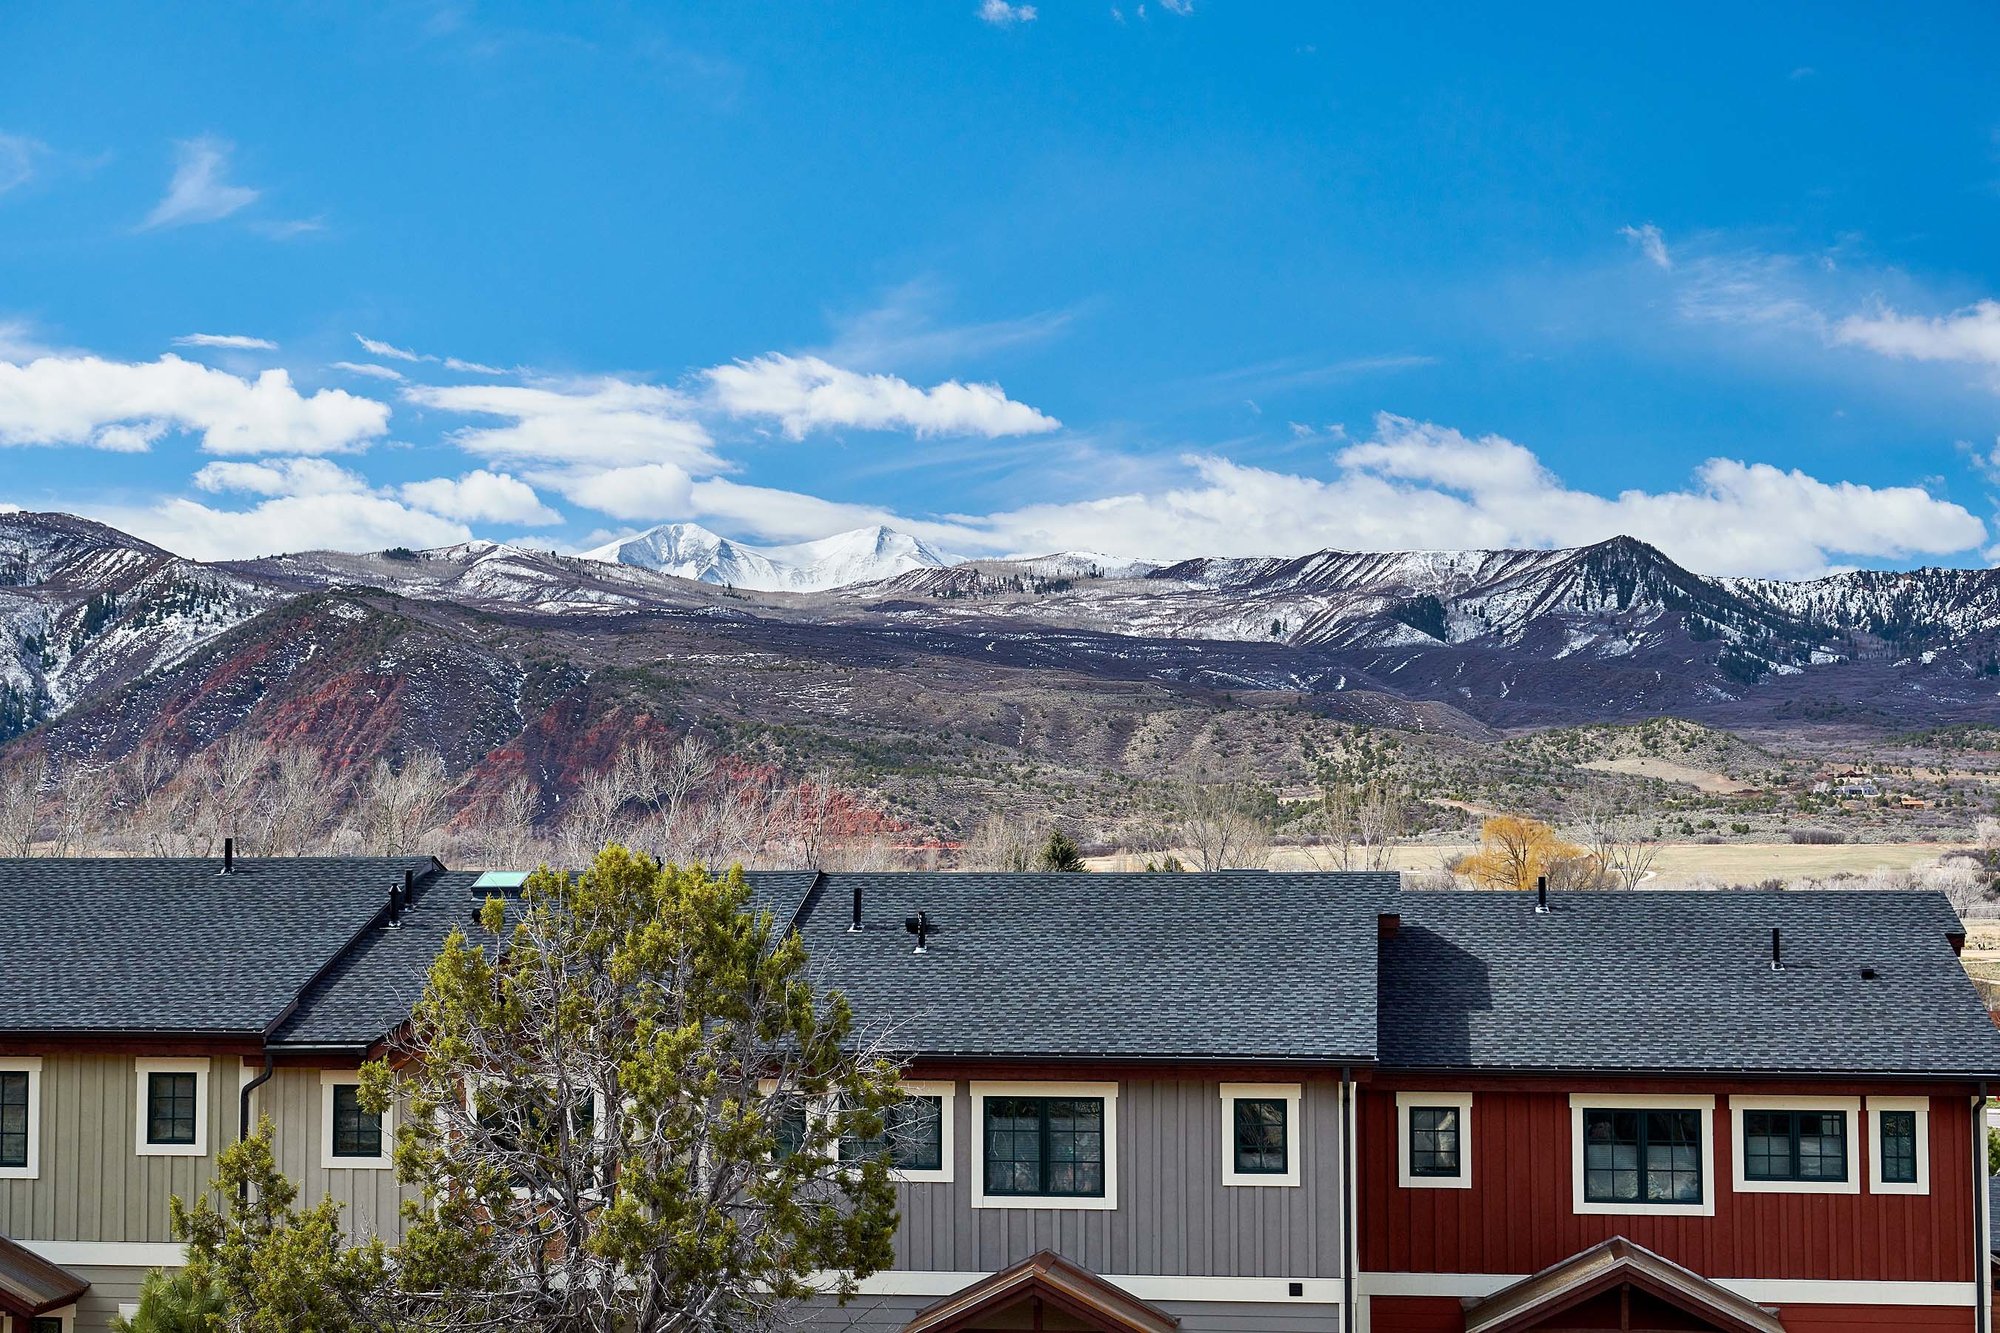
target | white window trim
[
  {"x": 200, "y": 1069},
  {"x": 981, "y": 1091},
  {"x": 1292, "y": 1094},
  {"x": 329, "y": 1079},
  {"x": 947, "y": 1094},
  {"x": 67, "y": 1316},
  {"x": 1579, "y": 1102},
  {"x": 1876, "y": 1106},
  {"x": 31, "y": 1065},
  {"x": 1462, "y": 1103},
  {"x": 1850, "y": 1106}
]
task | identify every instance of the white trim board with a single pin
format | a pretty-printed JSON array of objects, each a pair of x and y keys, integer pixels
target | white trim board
[
  {"x": 1579, "y": 1102},
  {"x": 31, "y": 1065},
  {"x": 1854, "y": 1140},
  {"x": 981, "y": 1090},
  {"x": 1772, "y": 1291},
  {"x": 1410, "y": 1101},
  {"x": 1291, "y": 1094},
  {"x": 142, "y": 1070},
  {"x": 110, "y": 1253},
  {"x": 1145, "y": 1286}
]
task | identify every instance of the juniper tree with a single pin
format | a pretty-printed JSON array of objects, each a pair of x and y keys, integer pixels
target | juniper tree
[{"x": 624, "y": 1106}]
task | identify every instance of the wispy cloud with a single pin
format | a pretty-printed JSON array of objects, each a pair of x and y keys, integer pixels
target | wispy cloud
[
  {"x": 19, "y": 156},
  {"x": 1294, "y": 372},
  {"x": 1651, "y": 244},
  {"x": 1003, "y": 15},
  {"x": 369, "y": 370},
  {"x": 1970, "y": 335},
  {"x": 1181, "y": 7},
  {"x": 390, "y": 350},
  {"x": 200, "y": 190},
  {"x": 806, "y": 393},
  {"x": 903, "y": 332},
  {"x": 238, "y": 341}
]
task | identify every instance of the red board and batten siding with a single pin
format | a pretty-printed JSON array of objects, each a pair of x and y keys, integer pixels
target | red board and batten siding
[
  {"x": 1439, "y": 1314},
  {"x": 1518, "y": 1216}
]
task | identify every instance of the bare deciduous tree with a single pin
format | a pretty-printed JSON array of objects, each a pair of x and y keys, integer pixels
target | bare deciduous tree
[
  {"x": 21, "y": 804},
  {"x": 1001, "y": 842},
  {"x": 397, "y": 807},
  {"x": 1220, "y": 825}
]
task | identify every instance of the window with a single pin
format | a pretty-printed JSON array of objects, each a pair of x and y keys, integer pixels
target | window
[
  {"x": 912, "y": 1136},
  {"x": 173, "y": 1108},
  {"x": 1795, "y": 1145},
  {"x": 1900, "y": 1162},
  {"x": 1899, "y": 1147},
  {"x": 1045, "y": 1145},
  {"x": 20, "y": 1118},
  {"x": 1641, "y": 1156},
  {"x": 354, "y": 1137},
  {"x": 1642, "y": 1153},
  {"x": 45, "y": 1324},
  {"x": 1261, "y": 1134},
  {"x": 1434, "y": 1140}
]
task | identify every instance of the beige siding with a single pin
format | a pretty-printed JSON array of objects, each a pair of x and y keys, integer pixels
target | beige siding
[
  {"x": 1174, "y": 1214},
  {"x": 94, "y": 1185},
  {"x": 370, "y": 1198}
]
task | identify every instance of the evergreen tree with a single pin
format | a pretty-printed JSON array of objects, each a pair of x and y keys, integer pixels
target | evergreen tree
[{"x": 1061, "y": 853}]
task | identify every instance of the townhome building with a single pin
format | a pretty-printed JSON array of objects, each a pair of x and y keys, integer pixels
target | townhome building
[{"x": 1135, "y": 1102}]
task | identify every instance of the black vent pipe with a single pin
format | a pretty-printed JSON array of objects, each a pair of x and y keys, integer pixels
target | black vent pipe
[
  {"x": 228, "y": 855},
  {"x": 1777, "y": 951},
  {"x": 857, "y": 905},
  {"x": 1541, "y": 893}
]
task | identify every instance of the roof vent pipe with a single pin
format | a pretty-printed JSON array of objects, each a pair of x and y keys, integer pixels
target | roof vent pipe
[
  {"x": 857, "y": 906},
  {"x": 1541, "y": 895},
  {"x": 1777, "y": 951},
  {"x": 920, "y": 926},
  {"x": 228, "y": 855}
]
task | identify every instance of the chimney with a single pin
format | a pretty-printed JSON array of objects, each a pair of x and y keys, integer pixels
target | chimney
[
  {"x": 228, "y": 856},
  {"x": 920, "y": 926},
  {"x": 1387, "y": 924},
  {"x": 1541, "y": 895},
  {"x": 1777, "y": 951}
]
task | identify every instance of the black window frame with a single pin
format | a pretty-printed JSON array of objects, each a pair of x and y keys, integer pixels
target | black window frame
[
  {"x": 1642, "y": 1145},
  {"x": 1433, "y": 1171},
  {"x": 1882, "y": 1155},
  {"x": 1238, "y": 1145},
  {"x": 1792, "y": 1173},
  {"x": 1045, "y": 1114},
  {"x": 44, "y": 1323},
  {"x": 9, "y": 1108},
  {"x": 155, "y": 1079},
  {"x": 897, "y": 1135},
  {"x": 359, "y": 1117}
]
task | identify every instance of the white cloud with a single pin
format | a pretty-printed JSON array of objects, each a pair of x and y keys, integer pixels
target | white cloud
[
  {"x": 1003, "y": 15},
  {"x": 472, "y": 367},
  {"x": 18, "y": 156},
  {"x": 340, "y": 522},
  {"x": 87, "y": 400},
  {"x": 643, "y": 492},
  {"x": 369, "y": 370},
  {"x": 390, "y": 350},
  {"x": 596, "y": 423},
  {"x": 1971, "y": 334},
  {"x": 1651, "y": 244},
  {"x": 1414, "y": 484},
  {"x": 481, "y": 496},
  {"x": 238, "y": 341},
  {"x": 806, "y": 393},
  {"x": 283, "y": 476},
  {"x": 1181, "y": 7},
  {"x": 200, "y": 190}
]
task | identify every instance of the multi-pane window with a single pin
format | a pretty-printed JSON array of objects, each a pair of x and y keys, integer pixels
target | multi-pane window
[
  {"x": 1797, "y": 1145},
  {"x": 1434, "y": 1140},
  {"x": 1262, "y": 1138},
  {"x": 45, "y": 1324},
  {"x": 1049, "y": 1146},
  {"x": 790, "y": 1130},
  {"x": 357, "y": 1131},
  {"x": 13, "y": 1118},
  {"x": 1641, "y": 1156},
  {"x": 912, "y": 1135},
  {"x": 1899, "y": 1147},
  {"x": 170, "y": 1108}
]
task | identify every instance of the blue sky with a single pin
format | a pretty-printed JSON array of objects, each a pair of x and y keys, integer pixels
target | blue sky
[{"x": 1165, "y": 279}]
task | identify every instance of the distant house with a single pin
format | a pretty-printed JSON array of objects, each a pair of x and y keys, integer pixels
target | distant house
[{"x": 1139, "y": 1103}]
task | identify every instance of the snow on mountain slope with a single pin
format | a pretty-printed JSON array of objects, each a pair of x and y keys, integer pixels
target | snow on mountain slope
[{"x": 690, "y": 551}]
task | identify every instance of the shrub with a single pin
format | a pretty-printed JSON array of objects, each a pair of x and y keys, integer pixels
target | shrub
[{"x": 1818, "y": 836}]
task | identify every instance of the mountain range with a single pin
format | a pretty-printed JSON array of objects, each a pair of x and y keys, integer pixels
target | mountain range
[{"x": 511, "y": 662}]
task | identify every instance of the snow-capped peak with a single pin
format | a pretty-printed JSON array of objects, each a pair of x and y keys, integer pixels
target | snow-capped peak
[{"x": 690, "y": 551}]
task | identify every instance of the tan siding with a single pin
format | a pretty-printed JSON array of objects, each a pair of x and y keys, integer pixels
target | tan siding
[
  {"x": 369, "y": 1198},
  {"x": 1174, "y": 1214},
  {"x": 93, "y": 1184}
]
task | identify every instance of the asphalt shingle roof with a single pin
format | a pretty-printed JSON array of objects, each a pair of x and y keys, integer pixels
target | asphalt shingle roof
[
  {"x": 372, "y": 988},
  {"x": 1681, "y": 982},
  {"x": 1121, "y": 965},
  {"x": 170, "y": 945}
]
